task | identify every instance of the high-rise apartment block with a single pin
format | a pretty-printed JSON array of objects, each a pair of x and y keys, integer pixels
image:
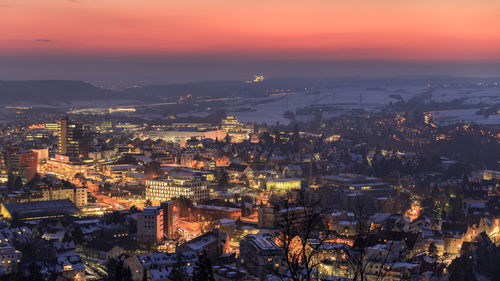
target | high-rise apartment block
[
  {"x": 155, "y": 223},
  {"x": 70, "y": 139}
]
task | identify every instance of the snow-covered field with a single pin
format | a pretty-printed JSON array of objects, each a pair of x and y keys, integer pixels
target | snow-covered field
[
  {"x": 448, "y": 117},
  {"x": 371, "y": 99},
  {"x": 271, "y": 109},
  {"x": 476, "y": 95}
]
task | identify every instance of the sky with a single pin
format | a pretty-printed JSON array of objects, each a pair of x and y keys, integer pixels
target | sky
[{"x": 168, "y": 41}]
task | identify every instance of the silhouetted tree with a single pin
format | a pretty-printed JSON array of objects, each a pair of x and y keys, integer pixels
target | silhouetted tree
[
  {"x": 179, "y": 271},
  {"x": 18, "y": 183},
  {"x": 433, "y": 251},
  {"x": 461, "y": 269},
  {"x": 35, "y": 273},
  {"x": 117, "y": 271},
  {"x": 133, "y": 209},
  {"x": 10, "y": 181},
  {"x": 203, "y": 268},
  {"x": 223, "y": 180}
]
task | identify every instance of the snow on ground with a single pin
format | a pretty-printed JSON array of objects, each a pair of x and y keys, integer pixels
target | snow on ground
[
  {"x": 472, "y": 95},
  {"x": 347, "y": 97},
  {"x": 447, "y": 117}
]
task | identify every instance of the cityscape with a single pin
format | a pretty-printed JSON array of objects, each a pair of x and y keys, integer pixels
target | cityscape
[{"x": 232, "y": 150}]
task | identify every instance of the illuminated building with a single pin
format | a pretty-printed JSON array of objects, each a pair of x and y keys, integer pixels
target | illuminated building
[
  {"x": 43, "y": 154},
  {"x": 63, "y": 168},
  {"x": 490, "y": 174},
  {"x": 215, "y": 243},
  {"x": 235, "y": 129},
  {"x": 39, "y": 209},
  {"x": 259, "y": 78},
  {"x": 271, "y": 219},
  {"x": 145, "y": 263},
  {"x": 281, "y": 185},
  {"x": 237, "y": 229},
  {"x": 119, "y": 172},
  {"x": 105, "y": 127},
  {"x": 178, "y": 136},
  {"x": 71, "y": 268},
  {"x": 54, "y": 127},
  {"x": 357, "y": 182},
  {"x": 260, "y": 255},
  {"x": 231, "y": 124},
  {"x": 77, "y": 195},
  {"x": 212, "y": 213},
  {"x": 9, "y": 258},
  {"x": 103, "y": 156},
  {"x": 21, "y": 163},
  {"x": 150, "y": 225},
  {"x": 28, "y": 161},
  {"x": 156, "y": 223},
  {"x": 37, "y": 134},
  {"x": 70, "y": 139},
  {"x": 175, "y": 185}
]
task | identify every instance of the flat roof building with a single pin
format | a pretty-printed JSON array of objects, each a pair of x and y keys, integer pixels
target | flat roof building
[{"x": 39, "y": 209}]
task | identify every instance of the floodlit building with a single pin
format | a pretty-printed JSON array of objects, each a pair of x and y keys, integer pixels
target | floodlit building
[
  {"x": 490, "y": 174},
  {"x": 281, "y": 185},
  {"x": 63, "y": 168},
  {"x": 236, "y": 130},
  {"x": 155, "y": 223},
  {"x": 19, "y": 162},
  {"x": 178, "y": 136},
  {"x": 77, "y": 195},
  {"x": 38, "y": 209},
  {"x": 150, "y": 225},
  {"x": 176, "y": 185}
]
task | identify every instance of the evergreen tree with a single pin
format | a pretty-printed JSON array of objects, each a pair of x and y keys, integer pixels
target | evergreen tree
[
  {"x": 36, "y": 179},
  {"x": 461, "y": 269},
  {"x": 223, "y": 180},
  {"x": 10, "y": 181},
  {"x": 178, "y": 271},
  {"x": 35, "y": 273},
  {"x": 433, "y": 251},
  {"x": 148, "y": 203},
  {"x": 117, "y": 271},
  {"x": 18, "y": 184},
  {"x": 127, "y": 273},
  {"x": 203, "y": 268},
  {"x": 77, "y": 235}
]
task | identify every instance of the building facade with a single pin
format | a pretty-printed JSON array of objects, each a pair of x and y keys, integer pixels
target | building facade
[
  {"x": 77, "y": 195},
  {"x": 155, "y": 223},
  {"x": 174, "y": 185}
]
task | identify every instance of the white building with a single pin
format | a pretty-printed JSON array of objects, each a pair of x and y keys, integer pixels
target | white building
[{"x": 176, "y": 185}]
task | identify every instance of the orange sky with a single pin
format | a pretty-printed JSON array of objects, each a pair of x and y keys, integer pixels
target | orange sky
[{"x": 306, "y": 29}]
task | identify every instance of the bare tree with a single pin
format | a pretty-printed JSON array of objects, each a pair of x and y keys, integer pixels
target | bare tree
[
  {"x": 302, "y": 231},
  {"x": 368, "y": 258}
]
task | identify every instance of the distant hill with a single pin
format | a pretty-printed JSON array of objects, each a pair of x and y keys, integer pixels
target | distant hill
[
  {"x": 48, "y": 91},
  {"x": 60, "y": 91},
  {"x": 209, "y": 88}
]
